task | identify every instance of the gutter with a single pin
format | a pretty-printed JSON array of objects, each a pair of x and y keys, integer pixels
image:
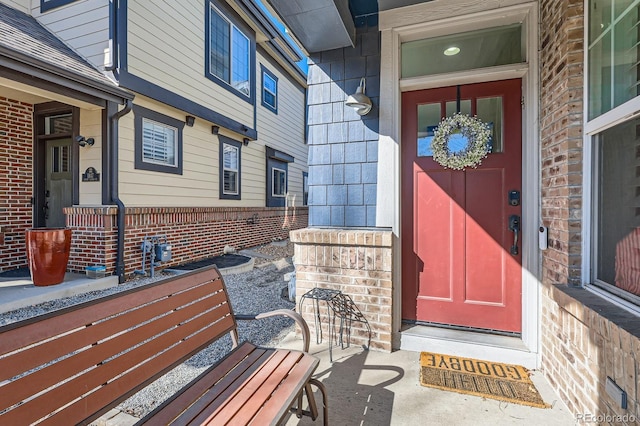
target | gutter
[{"x": 114, "y": 119}]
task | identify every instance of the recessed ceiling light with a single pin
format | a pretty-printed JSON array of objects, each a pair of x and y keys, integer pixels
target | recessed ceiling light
[{"x": 453, "y": 50}]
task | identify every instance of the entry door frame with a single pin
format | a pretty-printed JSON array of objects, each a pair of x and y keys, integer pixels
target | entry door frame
[
  {"x": 434, "y": 19},
  {"x": 39, "y": 154}
]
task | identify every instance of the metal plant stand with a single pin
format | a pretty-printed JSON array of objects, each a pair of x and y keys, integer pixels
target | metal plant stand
[{"x": 339, "y": 305}]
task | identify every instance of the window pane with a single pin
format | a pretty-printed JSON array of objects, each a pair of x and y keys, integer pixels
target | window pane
[
  {"x": 475, "y": 49},
  {"x": 230, "y": 185},
  {"x": 279, "y": 180},
  {"x": 618, "y": 207},
  {"x": 269, "y": 99},
  {"x": 220, "y": 47},
  {"x": 158, "y": 143},
  {"x": 614, "y": 33},
  {"x": 428, "y": 119},
  {"x": 58, "y": 124},
  {"x": 240, "y": 64},
  {"x": 269, "y": 83},
  {"x": 230, "y": 157},
  {"x": 489, "y": 110}
]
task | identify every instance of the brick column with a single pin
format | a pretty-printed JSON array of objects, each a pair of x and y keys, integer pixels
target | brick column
[
  {"x": 16, "y": 181},
  {"x": 561, "y": 103},
  {"x": 356, "y": 262}
]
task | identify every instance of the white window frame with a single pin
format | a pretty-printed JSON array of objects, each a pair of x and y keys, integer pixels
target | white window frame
[
  {"x": 166, "y": 129},
  {"x": 236, "y": 170},
  {"x": 232, "y": 26},
  {"x": 273, "y": 182},
  {"x": 622, "y": 113}
]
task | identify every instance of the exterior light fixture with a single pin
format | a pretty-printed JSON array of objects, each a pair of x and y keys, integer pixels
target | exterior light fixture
[
  {"x": 245, "y": 141},
  {"x": 451, "y": 51},
  {"x": 215, "y": 130},
  {"x": 84, "y": 142},
  {"x": 190, "y": 120},
  {"x": 359, "y": 101}
]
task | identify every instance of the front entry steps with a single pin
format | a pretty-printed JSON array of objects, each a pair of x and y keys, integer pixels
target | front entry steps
[{"x": 419, "y": 338}]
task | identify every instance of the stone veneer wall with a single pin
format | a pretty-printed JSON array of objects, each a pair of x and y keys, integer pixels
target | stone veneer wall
[
  {"x": 193, "y": 233},
  {"x": 584, "y": 338},
  {"x": 16, "y": 181},
  {"x": 356, "y": 262}
]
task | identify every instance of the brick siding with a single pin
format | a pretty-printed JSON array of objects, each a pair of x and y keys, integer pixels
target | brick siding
[
  {"x": 356, "y": 262},
  {"x": 16, "y": 182},
  {"x": 581, "y": 343},
  {"x": 193, "y": 233}
]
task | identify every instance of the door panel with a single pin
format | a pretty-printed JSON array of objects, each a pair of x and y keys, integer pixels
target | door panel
[
  {"x": 456, "y": 259},
  {"x": 58, "y": 181}
]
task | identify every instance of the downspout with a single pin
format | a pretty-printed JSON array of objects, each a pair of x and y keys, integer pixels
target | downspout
[{"x": 113, "y": 173}]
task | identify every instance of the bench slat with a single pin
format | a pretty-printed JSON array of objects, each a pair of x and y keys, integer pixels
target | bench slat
[
  {"x": 226, "y": 387},
  {"x": 99, "y": 352},
  {"x": 124, "y": 386},
  {"x": 284, "y": 397},
  {"x": 19, "y": 335},
  {"x": 38, "y": 355},
  {"x": 171, "y": 408},
  {"x": 251, "y": 394}
]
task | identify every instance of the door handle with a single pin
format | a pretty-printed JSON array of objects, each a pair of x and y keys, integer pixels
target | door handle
[
  {"x": 514, "y": 226},
  {"x": 45, "y": 209}
]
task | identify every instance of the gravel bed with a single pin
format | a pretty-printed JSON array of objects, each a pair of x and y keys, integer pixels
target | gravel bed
[{"x": 258, "y": 290}]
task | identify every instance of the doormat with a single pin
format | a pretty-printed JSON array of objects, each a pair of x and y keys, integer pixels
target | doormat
[{"x": 504, "y": 382}]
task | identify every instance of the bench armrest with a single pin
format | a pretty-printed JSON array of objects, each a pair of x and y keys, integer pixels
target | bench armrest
[{"x": 287, "y": 313}]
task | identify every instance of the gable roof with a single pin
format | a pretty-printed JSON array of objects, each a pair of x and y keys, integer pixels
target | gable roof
[{"x": 28, "y": 47}]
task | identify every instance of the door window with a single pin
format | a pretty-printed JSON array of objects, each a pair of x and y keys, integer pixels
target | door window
[
  {"x": 489, "y": 110},
  {"x": 471, "y": 50}
]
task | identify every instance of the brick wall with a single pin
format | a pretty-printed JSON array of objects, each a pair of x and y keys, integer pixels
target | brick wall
[
  {"x": 561, "y": 74},
  {"x": 356, "y": 262},
  {"x": 16, "y": 158},
  {"x": 343, "y": 146},
  {"x": 194, "y": 233},
  {"x": 584, "y": 338}
]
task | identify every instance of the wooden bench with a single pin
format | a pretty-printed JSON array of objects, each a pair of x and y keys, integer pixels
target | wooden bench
[{"x": 73, "y": 365}]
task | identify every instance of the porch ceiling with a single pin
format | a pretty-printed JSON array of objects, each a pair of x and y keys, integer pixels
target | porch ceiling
[{"x": 330, "y": 24}]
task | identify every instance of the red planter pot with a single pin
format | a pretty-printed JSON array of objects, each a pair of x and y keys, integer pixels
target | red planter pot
[{"x": 48, "y": 253}]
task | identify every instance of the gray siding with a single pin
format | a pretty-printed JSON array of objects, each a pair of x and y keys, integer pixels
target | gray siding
[{"x": 343, "y": 146}]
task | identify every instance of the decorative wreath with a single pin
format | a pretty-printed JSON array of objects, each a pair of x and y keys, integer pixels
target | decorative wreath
[{"x": 477, "y": 133}]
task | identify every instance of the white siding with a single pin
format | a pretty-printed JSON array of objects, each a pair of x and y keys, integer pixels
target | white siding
[
  {"x": 83, "y": 25},
  {"x": 284, "y": 131},
  {"x": 166, "y": 47},
  {"x": 198, "y": 186},
  {"x": 91, "y": 156},
  {"x": 21, "y": 5}
]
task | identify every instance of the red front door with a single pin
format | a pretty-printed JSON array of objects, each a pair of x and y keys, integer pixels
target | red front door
[{"x": 458, "y": 267}]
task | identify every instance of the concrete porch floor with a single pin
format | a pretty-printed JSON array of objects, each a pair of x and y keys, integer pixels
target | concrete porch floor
[{"x": 377, "y": 388}]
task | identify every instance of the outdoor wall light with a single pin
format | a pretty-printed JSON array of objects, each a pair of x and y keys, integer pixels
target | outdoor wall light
[
  {"x": 245, "y": 141},
  {"x": 359, "y": 101},
  {"x": 84, "y": 142},
  {"x": 190, "y": 120},
  {"x": 451, "y": 51},
  {"x": 215, "y": 130}
]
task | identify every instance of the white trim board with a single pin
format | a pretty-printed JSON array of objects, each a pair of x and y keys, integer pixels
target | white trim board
[{"x": 430, "y": 20}]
